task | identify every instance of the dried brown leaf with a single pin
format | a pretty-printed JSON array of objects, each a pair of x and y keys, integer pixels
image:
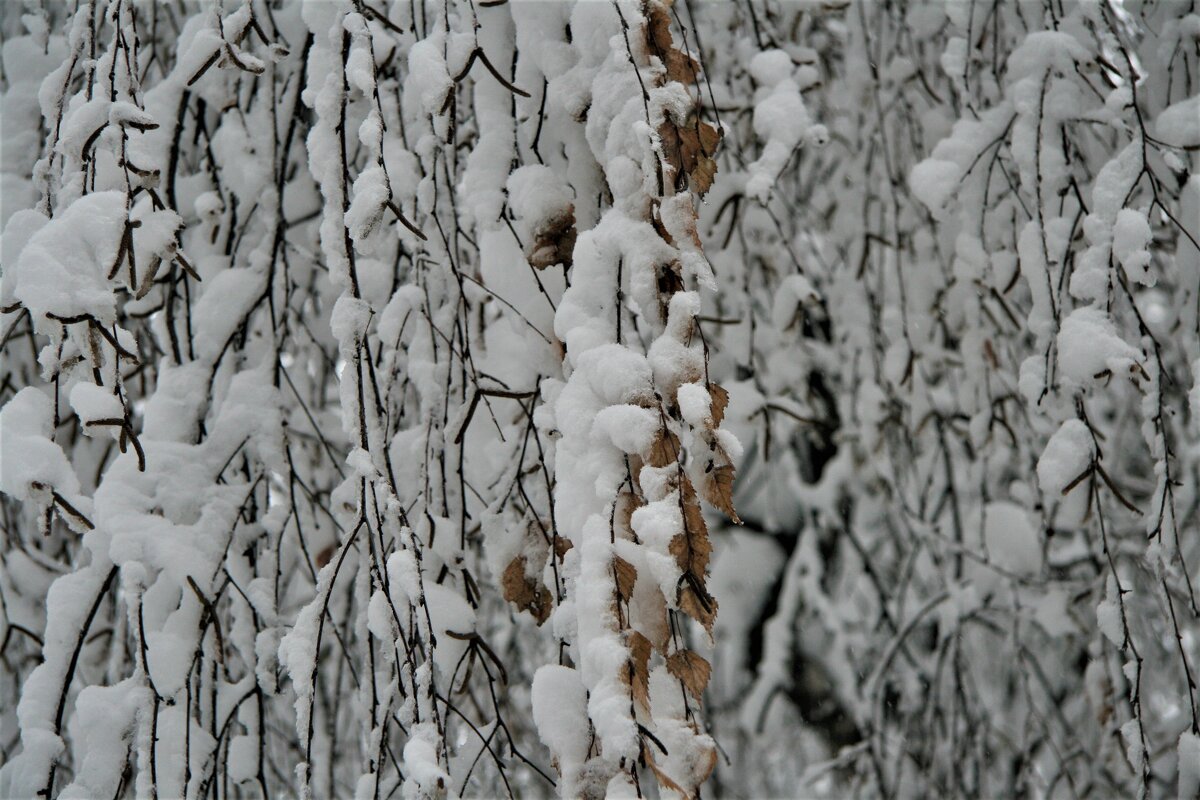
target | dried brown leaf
[
  {"x": 691, "y": 548},
  {"x": 705, "y": 764},
  {"x": 703, "y": 175},
  {"x": 626, "y": 576},
  {"x": 680, "y": 66},
  {"x": 665, "y": 449},
  {"x": 703, "y": 611},
  {"x": 664, "y": 780},
  {"x": 528, "y": 594},
  {"x": 691, "y": 669},
  {"x": 561, "y": 545},
  {"x": 554, "y": 243},
  {"x": 698, "y": 143},
  {"x": 625, "y": 504},
  {"x": 718, "y": 490},
  {"x": 720, "y": 401},
  {"x": 639, "y": 661}
]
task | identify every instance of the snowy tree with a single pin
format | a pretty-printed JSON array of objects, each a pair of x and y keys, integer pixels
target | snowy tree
[{"x": 779, "y": 398}]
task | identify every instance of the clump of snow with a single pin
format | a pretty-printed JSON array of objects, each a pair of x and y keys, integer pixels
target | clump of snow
[
  {"x": 1068, "y": 454},
  {"x": 1188, "y": 751},
  {"x": 695, "y": 403},
  {"x": 559, "y": 703},
  {"x": 1089, "y": 347},
  {"x": 1131, "y": 237},
  {"x": 1179, "y": 125},
  {"x": 1012, "y": 541},
  {"x": 428, "y": 78},
  {"x": 64, "y": 266},
  {"x": 92, "y": 403},
  {"x": 537, "y": 194},
  {"x": 934, "y": 181},
  {"x": 371, "y": 195},
  {"x": 629, "y": 428},
  {"x": 770, "y": 67},
  {"x": 33, "y": 463}
]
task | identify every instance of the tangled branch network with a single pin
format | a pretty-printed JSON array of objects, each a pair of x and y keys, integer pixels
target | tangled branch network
[{"x": 600, "y": 398}]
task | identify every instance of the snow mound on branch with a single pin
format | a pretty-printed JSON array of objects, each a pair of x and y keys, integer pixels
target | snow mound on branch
[
  {"x": 1088, "y": 346},
  {"x": 1179, "y": 125},
  {"x": 1069, "y": 452},
  {"x": 1012, "y": 542},
  {"x": 33, "y": 463},
  {"x": 63, "y": 268}
]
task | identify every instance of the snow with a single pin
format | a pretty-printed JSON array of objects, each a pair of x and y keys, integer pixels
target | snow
[
  {"x": 1012, "y": 541},
  {"x": 92, "y": 402},
  {"x": 349, "y": 321},
  {"x": 33, "y": 463},
  {"x": 559, "y": 702},
  {"x": 63, "y": 267},
  {"x": 918, "y": 373},
  {"x": 629, "y": 428},
  {"x": 1188, "y": 751},
  {"x": 366, "y": 212},
  {"x": 1069, "y": 452},
  {"x": 1131, "y": 238},
  {"x": 781, "y": 120},
  {"x": 695, "y": 404},
  {"x": 771, "y": 67},
  {"x": 428, "y": 78},
  {"x": 536, "y": 194},
  {"x": 1088, "y": 345},
  {"x": 449, "y": 612},
  {"x": 933, "y": 182},
  {"x": 1179, "y": 124},
  {"x": 1108, "y": 615},
  {"x": 227, "y": 297}
]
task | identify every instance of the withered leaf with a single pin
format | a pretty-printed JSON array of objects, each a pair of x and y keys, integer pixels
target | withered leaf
[
  {"x": 704, "y": 173},
  {"x": 697, "y": 144},
  {"x": 554, "y": 243},
  {"x": 720, "y": 401},
  {"x": 718, "y": 490},
  {"x": 626, "y": 504},
  {"x": 561, "y": 545},
  {"x": 639, "y": 660},
  {"x": 665, "y": 449},
  {"x": 705, "y": 762},
  {"x": 680, "y": 66},
  {"x": 664, "y": 780},
  {"x": 528, "y": 594},
  {"x": 626, "y": 576},
  {"x": 691, "y": 548},
  {"x": 691, "y": 669},
  {"x": 703, "y": 611}
]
